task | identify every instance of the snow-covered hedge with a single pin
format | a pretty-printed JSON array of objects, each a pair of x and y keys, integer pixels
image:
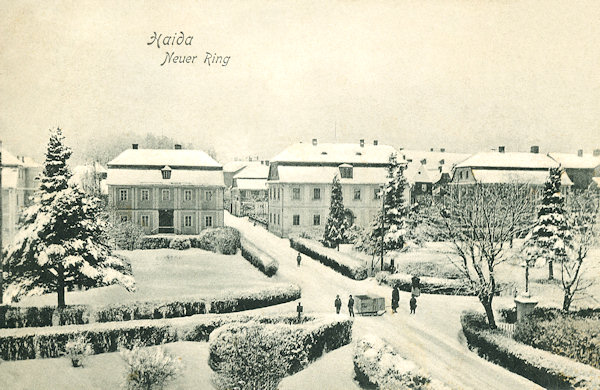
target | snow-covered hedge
[
  {"x": 377, "y": 364},
  {"x": 149, "y": 310},
  {"x": 344, "y": 264},
  {"x": 255, "y": 299},
  {"x": 20, "y": 317},
  {"x": 544, "y": 368},
  {"x": 261, "y": 260},
  {"x": 266, "y": 353},
  {"x": 33, "y": 343},
  {"x": 225, "y": 240},
  {"x": 428, "y": 285}
]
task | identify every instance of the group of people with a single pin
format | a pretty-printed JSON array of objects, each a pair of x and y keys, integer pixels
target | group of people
[
  {"x": 338, "y": 305},
  {"x": 396, "y": 300}
]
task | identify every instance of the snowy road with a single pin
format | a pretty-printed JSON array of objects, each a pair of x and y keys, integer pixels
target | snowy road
[{"x": 432, "y": 338}]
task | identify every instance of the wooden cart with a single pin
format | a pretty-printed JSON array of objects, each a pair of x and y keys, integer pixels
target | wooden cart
[{"x": 369, "y": 305}]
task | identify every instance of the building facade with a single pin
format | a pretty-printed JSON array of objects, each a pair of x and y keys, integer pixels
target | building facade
[
  {"x": 581, "y": 167},
  {"x": 249, "y": 191},
  {"x": 166, "y": 191},
  {"x": 300, "y": 181}
]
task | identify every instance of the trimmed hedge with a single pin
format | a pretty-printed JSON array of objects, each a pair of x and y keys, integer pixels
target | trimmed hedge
[
  {"x": 21, "y": 316},
  {"x": 344, "y": 264},
  {"x": 149, "y": 310},
  {"x": 225, "y": 240},
  {"x": 261, "y": 260},
  {"x": 34, "y": 343},
  {"x": 542, "y": 367},
  {"x": 266, "y": 353},
  {"x": 428, "y": 285},
  {"x": 255, "y": 300}
]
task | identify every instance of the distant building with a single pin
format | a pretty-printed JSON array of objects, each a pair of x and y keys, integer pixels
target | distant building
[
  {"x": 300, "y": 180},
  {"x": 500, "y": 167},
  {"x": 19, "y": 183},
  {"x": 166, "y": 191},
  {"x": 91, "y": 178},
  {"x": 580, "y": 167},
  {"x": 249, "y": 191}
]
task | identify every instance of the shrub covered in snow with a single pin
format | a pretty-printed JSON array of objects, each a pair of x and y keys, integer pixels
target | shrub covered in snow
[
  {"x": 149, "y": 368},
  {"x": 180, "y": 243},
  {"x": 344, "y": 264},
  {"x": 430, "y": 269},
  {"x": 126, "y": 235},
  {"x": 77, "y": 349},
  {"x": 428, "y": 285},
  {"x": 261, "y": 260},
  {"x": 542, "y": 367},
  {"x": 377, "y": 364},
  {"x": 255, "y": 299},
  {"x": 149, "y": 310},
  {"x": 266, "y": 353}
]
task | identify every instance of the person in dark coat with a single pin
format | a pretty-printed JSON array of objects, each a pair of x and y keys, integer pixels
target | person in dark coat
[
  {"x": 395, "y": 298},
  {"x": 299, "y": 309},
  {"x": 351, "y": 306},
  {"x": 338, "y": 304},
  {"x": 299, "y": 259},
  {"x": 413, "y": 304}
]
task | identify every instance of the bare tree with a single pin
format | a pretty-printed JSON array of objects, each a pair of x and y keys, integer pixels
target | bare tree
[
  {"x": 583, "y": 220},
  {"x": 480, "y": 221}
]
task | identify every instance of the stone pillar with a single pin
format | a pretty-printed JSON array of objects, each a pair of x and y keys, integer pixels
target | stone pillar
[{"x": 525, "y": 305}]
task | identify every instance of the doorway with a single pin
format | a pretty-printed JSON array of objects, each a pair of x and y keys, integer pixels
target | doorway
[{"x": 165, "y": 221}]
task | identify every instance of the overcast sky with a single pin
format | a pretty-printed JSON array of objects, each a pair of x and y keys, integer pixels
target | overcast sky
[{"x": 465, "y": 75}]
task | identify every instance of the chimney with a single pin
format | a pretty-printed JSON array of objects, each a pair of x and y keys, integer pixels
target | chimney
[
  {"x": 177, "y": 147},
  {"x": 375, "y": 142},
  {"x": 580, "y": 153},
  {"x": 535, "y": 149},
  {"x": 501, "y": 149},
  {"x": 424, "y": 161},
  {"x": 596, "y": 152},
  {"x": 267, "y": 162},
  {"x": 442, "y": 162},
  {"x": 431, "y": 149},
  {"x": 314, "y": 142},
  {"x": 134, "y": 146},
  {"x": 440, "y": 169},
  {"x": 362, "y": 143},
  {"x": 442, "y": 150}
]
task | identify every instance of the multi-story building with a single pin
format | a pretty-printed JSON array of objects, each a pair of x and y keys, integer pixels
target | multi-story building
[
  {"x": 300, "y": 181},
  {"x": 19, "y": 182},
  {"x": 166, "y": 191},
  {"x": 249, "y": 191},
  {"x": 580, "y": 167}
]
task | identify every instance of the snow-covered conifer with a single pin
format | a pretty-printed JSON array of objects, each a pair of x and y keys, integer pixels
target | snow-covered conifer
[{"x": 337, "y": 223}]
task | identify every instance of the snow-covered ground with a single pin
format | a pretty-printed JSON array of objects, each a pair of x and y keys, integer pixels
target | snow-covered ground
[{"x": 432, "y": 338}]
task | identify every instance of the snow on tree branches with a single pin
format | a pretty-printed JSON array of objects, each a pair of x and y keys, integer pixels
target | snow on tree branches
[
  {"x": 62, "y": 241},
  {"x": 337, "y": 223}
]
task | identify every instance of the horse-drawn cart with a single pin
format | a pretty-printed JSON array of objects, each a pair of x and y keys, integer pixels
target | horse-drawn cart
[{"x": 370, "y": 305}]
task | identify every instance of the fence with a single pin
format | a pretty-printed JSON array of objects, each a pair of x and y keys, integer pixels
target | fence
[{"x": 508, "y": 329}]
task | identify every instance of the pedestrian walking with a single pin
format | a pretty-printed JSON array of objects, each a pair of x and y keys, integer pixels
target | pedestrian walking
[
  {"x": 351, "y": 306},
  {"x": 338, "y": 304},
  {"x": 395, "y": 299},
  {"x": 298, "y": 259},
  {"x": 299, "y": 309},
  {"x": 413, "y": 304}
]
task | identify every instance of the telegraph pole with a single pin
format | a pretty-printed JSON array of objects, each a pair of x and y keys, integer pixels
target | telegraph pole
[{"x": 1, "y": 247}]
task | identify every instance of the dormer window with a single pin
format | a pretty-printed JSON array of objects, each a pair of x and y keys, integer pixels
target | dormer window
[
  {"x": 346, "y": 171},
  {"x": 166, "y": 172}
]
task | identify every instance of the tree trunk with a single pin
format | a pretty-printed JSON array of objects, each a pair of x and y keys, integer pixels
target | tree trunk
[
  {"x": 567, "y": 300},
  {"x": 489, "y": 313},
  {"x": 550, "y": 271},
  {"x": 527, "y": 279},
  {"x": 60, "y": 285}
]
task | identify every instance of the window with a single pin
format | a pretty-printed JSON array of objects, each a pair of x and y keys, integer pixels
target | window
[
  {"x": 316, "y": 219},
  {"x": 270, "y": 218},
  {"x": 166, "y": 194},
  {"x": 296, "y": 193},
  {"x": 145, "y": 221},
  {"x": 124, "y": 218},
  {"x": 123, "y": 195},
  {"x": 466, "y": 174},
  {"x": 346, "y": 172},
  {"x": 166, "y": 173},
  {"x": 145, "y": 195},
  {"x": 278, "y": 194},
  {"x": 296, "y": 220},
  {"x": 423, "y": 187},
  {"x": 357, "y": 194},
  {"x": 208, "y": 221},
  {"x": 316, "y": 193},
  {"x": 208, "y": 196},
  {"x": 278, "y": 220},
  {"x": 187, "y": 195},
  {"x": 187, "y": 220},
  {"x": 376, "y": 194}
]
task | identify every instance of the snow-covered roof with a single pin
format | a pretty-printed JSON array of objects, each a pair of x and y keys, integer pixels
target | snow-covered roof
[
  {"x": 8, "y": 159},
  {"x": 10, "y": 177},
  {"x": 433, "y": 158},
  {"x": 337, "y": 153},
  {"x": 569, "y": 160},
  {"x": 251, "y": 184},
  {"x": 316, "y": 174},
  {"x": 425, "y": 175},
  {"x": 509, "y": 160},
  {"x": 234, "y": 166},
  {"x": 179, "y": 177},
  {"x": 507, "y": 176},
  {"x": 254, "y": 170},
  {"x": 162, "y": 157}
]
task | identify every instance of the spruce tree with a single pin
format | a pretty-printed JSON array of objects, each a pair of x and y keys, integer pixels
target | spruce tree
[
  {"x": 550, "y": 237},
  {"x": 337, "y": 223},
  {"x": 62, "y": 241}
]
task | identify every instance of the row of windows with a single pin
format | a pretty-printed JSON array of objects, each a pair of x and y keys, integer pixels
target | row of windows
[
  {"x": 317, "y": 193},
  {"x": 275, "y": 219},
  {"x": 275, "y": 194},
  {"x": 466, "y": 174},
  {"x": 187, "y": 220},
  {"x": 165, "y": 195}
]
